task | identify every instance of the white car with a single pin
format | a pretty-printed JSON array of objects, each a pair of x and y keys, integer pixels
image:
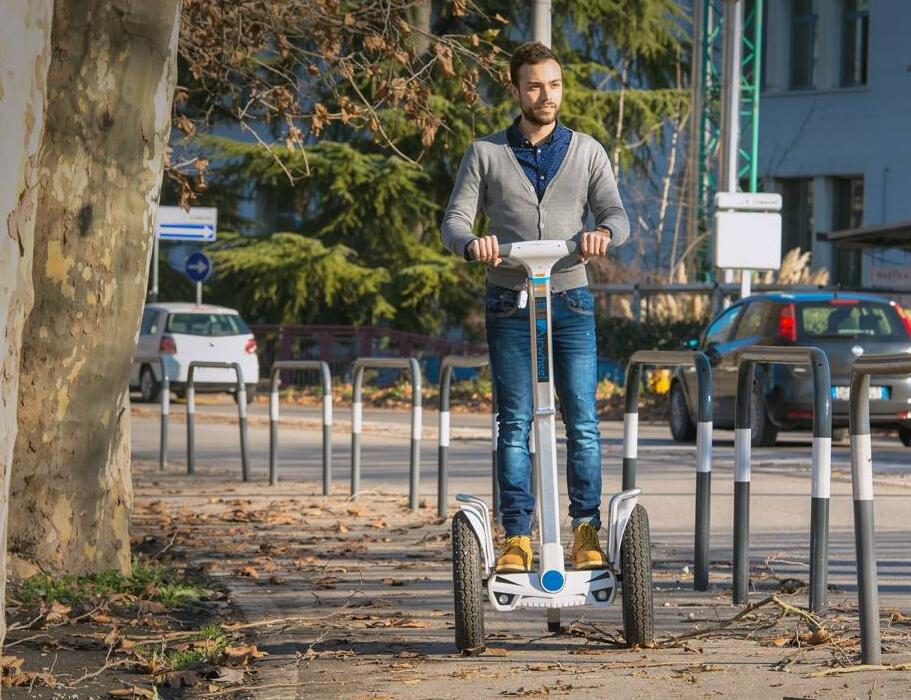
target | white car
[{"x": 179, "y": 333}]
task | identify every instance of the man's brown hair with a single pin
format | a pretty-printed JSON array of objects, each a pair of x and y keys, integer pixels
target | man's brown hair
[{"x": 529, "y": 54}]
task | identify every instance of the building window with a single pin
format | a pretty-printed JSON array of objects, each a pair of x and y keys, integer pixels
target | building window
[
  {"x": 796, "y": 214},
  {"x": 848, "y": 203},
  {"x": 854, "y": 37},
  {"x": 803, "y": 44}
]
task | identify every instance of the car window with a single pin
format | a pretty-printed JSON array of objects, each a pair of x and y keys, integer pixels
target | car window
[
  {"x": 149, "y": 325},
  {"x": 849, "y": 319},
  {"x": 720, "y": 329},
  {"x": 207, "y": 324},
  {"x": 754, "y": 320}
]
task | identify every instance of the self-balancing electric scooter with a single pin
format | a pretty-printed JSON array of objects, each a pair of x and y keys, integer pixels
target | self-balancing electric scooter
[{"x": 551, "y": 587}]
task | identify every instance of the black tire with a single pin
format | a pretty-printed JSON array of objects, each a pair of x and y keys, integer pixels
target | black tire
[
  {"x": 468, "y": 593},
  {"x": 763, "y": 433},
  {"x": 683, "y": 429},
  {"x": 149, "y": 387},
  {"x": 636, "y": 560},
  {"x": 904, "y": 434}
]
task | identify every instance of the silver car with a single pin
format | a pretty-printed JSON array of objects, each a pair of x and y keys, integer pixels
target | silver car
[{"x": 844, "y": 325}]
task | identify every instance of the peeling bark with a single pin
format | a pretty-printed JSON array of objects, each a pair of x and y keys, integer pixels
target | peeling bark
[
  {"x": 110, "y": 87},
  {"x": 25, "y": 51}
]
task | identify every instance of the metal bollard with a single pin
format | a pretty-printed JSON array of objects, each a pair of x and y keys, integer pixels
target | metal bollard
[
  {"x": 675, "y": 358},
  {"x": 862, "y": 489},
  {"x": 821, "y": 465},
  {"x": 241, "y": 390},
  {"x": 449, "y": 363},
  {"x": 326, "y": 380},
  {"x": 165, "y": 400},
  {"x": 412, "y": 365}
]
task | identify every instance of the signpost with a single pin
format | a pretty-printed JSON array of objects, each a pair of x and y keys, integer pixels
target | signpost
[
  {"x": 198, "y": 268},
  {"x": 747, "y": 233},
  {"x": 197, "y": 224}
]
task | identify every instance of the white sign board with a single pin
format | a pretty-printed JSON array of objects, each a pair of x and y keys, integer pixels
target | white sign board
[
  {"x": 748, "y": 240},
  {"x": 178, "y": 224}
]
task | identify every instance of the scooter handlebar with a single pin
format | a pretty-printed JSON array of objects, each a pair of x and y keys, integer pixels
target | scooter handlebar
[{"x": 505, "y": 249}]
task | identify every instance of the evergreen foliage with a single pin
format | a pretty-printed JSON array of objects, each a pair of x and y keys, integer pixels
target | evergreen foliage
[{"x": 362, "y": 196}]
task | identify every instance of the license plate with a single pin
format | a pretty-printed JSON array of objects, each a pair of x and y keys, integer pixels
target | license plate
[{"x": 877, "y": 393}]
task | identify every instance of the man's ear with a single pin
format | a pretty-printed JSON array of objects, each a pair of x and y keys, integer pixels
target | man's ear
[{"x": 513, "y": 90}]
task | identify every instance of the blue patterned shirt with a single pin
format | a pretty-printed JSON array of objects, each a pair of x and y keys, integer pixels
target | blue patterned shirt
[{"x": 540, "y": 163}]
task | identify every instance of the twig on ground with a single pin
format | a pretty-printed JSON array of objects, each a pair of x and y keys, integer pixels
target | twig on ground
[
  {"x": 106, "y": 667},
  {"x": 860, "y": 668}
]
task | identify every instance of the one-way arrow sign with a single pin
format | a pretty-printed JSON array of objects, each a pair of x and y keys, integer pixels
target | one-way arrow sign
[{"x": 198, "y": 267}]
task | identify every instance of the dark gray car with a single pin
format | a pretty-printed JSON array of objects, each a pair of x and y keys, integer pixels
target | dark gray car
[{"x": 844, "y": 325}]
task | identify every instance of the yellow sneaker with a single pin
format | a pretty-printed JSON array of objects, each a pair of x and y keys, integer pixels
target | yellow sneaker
[
  {"x": 516, "y": 555},
  {"x": 587, "y": 552}
]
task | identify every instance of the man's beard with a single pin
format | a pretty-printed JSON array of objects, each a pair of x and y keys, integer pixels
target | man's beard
[{"x": 531, "y": 117}]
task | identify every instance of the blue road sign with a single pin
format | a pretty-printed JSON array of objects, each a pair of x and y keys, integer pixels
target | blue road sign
[{"x": 198, "y": 267}]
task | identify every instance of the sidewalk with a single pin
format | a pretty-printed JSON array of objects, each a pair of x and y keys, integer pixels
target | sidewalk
[{"x": 359, "y": 595}]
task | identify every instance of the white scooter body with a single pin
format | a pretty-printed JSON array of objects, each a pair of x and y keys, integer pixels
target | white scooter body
[{"x": 551, "y": 586}]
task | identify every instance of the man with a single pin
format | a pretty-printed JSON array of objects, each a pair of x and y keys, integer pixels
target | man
[{"x": 540, "y": 180}]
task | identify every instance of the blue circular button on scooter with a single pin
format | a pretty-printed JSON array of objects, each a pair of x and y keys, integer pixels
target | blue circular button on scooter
[{"x": 552, "y": 581}]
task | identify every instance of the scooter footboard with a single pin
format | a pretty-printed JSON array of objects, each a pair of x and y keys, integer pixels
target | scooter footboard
[{"x": 510, "y": 591}]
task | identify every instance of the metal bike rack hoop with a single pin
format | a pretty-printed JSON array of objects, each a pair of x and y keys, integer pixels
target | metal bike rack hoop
[
  {"x": 675, "y": 358},
  {"x": 165, "y": 401},
  {"x": 865, "y": 367},
  {"x": 241, "y": 413},
  {"x": 411, "y": 364},
  {"x": 821, "y": 464},
  {"x": 326, "y": 382},
  {"x": 449, "y": 363}
]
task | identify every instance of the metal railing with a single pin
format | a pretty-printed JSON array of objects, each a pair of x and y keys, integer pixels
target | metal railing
[
  {"x": 411, "y": 364},
  {"x": 821, "y": 464},
  {"x": 865, "y": 367},
  {"x": 165, "y": 401},
  {"x": 676, "y": 358},
  {"x": 449, "y": 363},
  {"x": 241, "y": 397},
  {"x": 641, "y": 293},
  {"x": 326, "y": 381}
]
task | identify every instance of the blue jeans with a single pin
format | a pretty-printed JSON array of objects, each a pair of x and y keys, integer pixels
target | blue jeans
[{"x": 575, "y": 377}]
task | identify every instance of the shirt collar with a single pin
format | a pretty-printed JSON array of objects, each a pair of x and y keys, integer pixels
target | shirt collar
[{"x": 517, "y": 139}]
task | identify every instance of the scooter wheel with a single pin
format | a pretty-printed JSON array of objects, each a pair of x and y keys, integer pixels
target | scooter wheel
[
  {"x": 467, "y": 588},
  {"x": 636, "y": 562}
]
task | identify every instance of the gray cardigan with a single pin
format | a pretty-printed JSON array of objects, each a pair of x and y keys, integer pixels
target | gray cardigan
[{"x": 491, "y": 180}]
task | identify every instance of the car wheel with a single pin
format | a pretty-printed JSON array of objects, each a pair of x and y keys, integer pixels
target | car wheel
[
  {"x": 149, "y": 387},
  {"x": 839, "y": 434},
  {"x": 683, "y": 429},
  {"x": 250, "y": 390},
  {"x": 763, "y": 433},
  {"x": 904, "y": 434}
]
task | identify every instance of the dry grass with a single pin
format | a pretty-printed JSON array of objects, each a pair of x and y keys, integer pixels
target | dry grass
[{"x": 795, "y": 269}]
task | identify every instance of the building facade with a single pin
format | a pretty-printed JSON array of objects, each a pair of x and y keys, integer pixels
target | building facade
[{"x": 835, "y": 127}]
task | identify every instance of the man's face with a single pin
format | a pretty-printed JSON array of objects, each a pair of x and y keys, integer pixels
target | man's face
[{"x": 539, "y": 92}]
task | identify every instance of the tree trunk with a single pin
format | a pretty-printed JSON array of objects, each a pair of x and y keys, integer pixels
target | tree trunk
[
  {"x": 25, "y": 51},
  {"x": 110, "y": 87}
]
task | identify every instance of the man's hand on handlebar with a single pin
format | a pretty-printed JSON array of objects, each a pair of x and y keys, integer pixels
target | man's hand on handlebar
[
  {"x": 593, "y": 244},
  {"x": 485, "y": 249}
]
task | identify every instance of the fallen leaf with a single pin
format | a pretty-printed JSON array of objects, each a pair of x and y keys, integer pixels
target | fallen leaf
[
  {"x": 496, "y": 651},
  {"x": 248, "y": 571},
  {"x": 58, "y": 612}
]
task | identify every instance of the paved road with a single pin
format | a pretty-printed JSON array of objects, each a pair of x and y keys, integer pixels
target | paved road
[
  {"x": 399, "y": 570},
  {"x": 781, "y": 485}
]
